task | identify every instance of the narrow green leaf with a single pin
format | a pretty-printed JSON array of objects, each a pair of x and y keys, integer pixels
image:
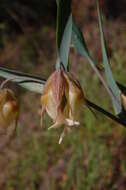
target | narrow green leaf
[
  {"x": 78, "y": 40},
  {"x": 27, "y": 81},
  {"x": 81, "y": 47},
  {"x": 111, "y": 82},
  {"x": 64, "y": 30},
  {"x": 65, "y": 44},
  {"x": 63, "y": 13}
]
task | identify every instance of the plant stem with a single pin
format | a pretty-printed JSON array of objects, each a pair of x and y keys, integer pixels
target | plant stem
[{"x": 106, "y": 113}]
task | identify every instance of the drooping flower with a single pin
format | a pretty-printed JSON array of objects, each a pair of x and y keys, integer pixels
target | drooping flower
[
  {"x": 62, "y": 98},
  {"x": 9, "y": 108}
]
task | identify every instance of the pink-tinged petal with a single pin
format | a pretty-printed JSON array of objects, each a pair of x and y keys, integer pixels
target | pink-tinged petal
[
  {"x": 51, "y": 107},
  {"x": 58, "y": 86},
  {"x": 53, "y": 95},
  {"x": 75, "y": 96}
]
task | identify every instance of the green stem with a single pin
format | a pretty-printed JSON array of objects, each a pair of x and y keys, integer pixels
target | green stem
[{"x": 106, "y": 113}]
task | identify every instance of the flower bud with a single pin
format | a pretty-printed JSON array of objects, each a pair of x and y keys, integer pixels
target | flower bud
[{"x": 9, "y": 108}]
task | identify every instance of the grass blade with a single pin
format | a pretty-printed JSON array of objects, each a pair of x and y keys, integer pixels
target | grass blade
[
  {"x": 64, "y": 31},
  {"x": 78, "y": 40},
  {"x": 81, "y": 47},
  {"x": 29, "y": 82},
  {"x": 110, "y": 80}
]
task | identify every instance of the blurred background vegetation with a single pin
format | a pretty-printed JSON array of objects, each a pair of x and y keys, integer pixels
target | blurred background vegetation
[{"x": 93, "y": 156}]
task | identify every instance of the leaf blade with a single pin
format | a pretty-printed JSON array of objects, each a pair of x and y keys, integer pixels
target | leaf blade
[
  {"x": 78, "y": 40},
  {"x": 27, "y": 81},
  {"x": 109, "y": 76},
  {"x": 81, "y": 47},
  {"x": 64, "y": 31}
]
